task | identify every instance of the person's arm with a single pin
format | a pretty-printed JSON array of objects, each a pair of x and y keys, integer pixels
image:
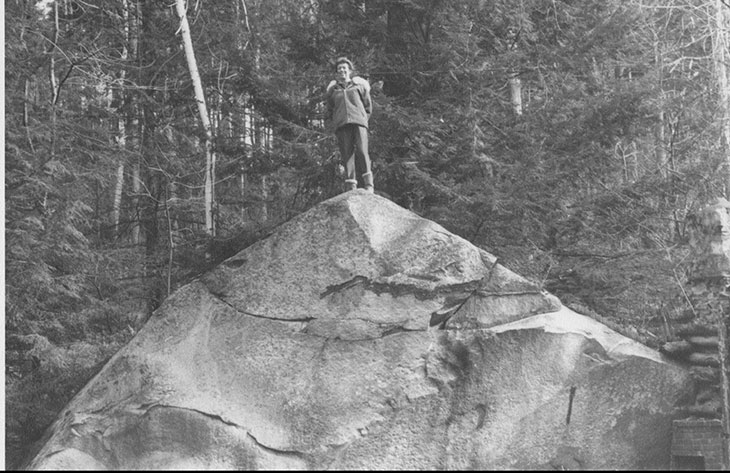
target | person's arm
[
  {"x": 364, "y": 87},
  {"x": 330, "y": 102}
]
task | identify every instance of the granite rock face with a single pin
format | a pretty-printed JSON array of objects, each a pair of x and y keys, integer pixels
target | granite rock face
[{"x": 361, "y": 336}]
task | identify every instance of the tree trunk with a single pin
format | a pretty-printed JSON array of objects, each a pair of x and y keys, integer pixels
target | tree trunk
[
  {"x": 242, "y": 192},
  {"x": 660, "y": 150},
  {"x": 203, "y": 112},
  {"x": 264, "y": 199},
  {"x": 132, "y": 126},
  {"x": 721, "y": 56},
  {"x": 53, "y": 81},
  {"x": 721, "y": 53},
  {"x": 121, "y": 120},
  {"x": 169, "y": 195},
  {"x": 724, "y": 353},
  {"x": 245, "y": 21},
  {"x": 118, "y": 185},
  {"x": 150, "y": 195},
  {"x": 26, "y": 100},
  {"x": 515, "y": 89},
  {"x": 261, "y": 147}
]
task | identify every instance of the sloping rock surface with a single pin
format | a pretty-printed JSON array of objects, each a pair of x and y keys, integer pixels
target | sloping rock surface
[{"x": 361, "y": 336}]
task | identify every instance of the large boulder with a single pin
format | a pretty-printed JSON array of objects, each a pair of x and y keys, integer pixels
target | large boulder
[{"x": 361, "y": 336}]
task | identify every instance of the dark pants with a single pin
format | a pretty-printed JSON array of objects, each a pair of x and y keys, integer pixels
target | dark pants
[{"x": 353, "y": 142}]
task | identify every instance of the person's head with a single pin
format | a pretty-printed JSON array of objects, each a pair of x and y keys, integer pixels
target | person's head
[{"x": 344, "y": 69}]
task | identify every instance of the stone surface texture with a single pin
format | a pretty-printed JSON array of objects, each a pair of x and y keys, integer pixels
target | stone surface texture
[{"x": 361, "y": 336}]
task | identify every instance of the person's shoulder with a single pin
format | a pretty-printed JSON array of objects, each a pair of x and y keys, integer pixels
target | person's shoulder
[{"x": 361, "y": 81}]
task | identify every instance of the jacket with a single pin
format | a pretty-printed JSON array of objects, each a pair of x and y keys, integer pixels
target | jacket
[{"x": 349, "y": 104}]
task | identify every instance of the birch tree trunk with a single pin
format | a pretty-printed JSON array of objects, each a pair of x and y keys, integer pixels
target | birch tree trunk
[
  {"x": 136, "y": 192},
  {"x": 720, "y": 28},
  {"x": 53, "y": 81},
  {"x": 119, "y": 184},
  {"x": 659, "y": 127},
  {"x": 248, "y": 146},
  {"x": 121, "y": 128},
  {"x": 515, "y": 89},
  {"x": 203, "y": 112},
  {"x": 721, "y": 56},
  {"x": 133, "y": 124},
  {"x": 721, "y": 53},
  {"x": 26, "y": 100}
]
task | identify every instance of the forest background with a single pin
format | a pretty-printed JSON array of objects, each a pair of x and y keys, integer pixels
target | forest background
[{"x": 570, "y": 138}]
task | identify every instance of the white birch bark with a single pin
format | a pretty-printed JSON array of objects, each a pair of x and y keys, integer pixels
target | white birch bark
[
  {"x": 54, "y": 82},
  {"x": 136, "y": 192},
  {"x": 659, "y": 131},
  {"x": 132, "y": 126},
  {"x": 119, "y": 184},
  {"x": 721, "y": 53},
  {"x": 515, "y": 89},
  {"x": 721, "y": 56},
  {"x": 26, "y": 97},
  {"x": 248, "y": 134},
  {"x": 203, "y": 112},
  {"x": 121, "y": 128}
]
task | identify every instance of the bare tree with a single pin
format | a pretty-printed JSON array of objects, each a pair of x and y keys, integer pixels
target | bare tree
[{"x": 204, "y": 119}]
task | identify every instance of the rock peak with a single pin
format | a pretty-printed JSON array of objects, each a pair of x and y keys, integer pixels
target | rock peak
[{"x": 344, "y": 262}]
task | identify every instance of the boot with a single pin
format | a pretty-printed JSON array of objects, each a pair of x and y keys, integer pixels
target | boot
[
  {"x": 350, "y": 185},
  {"x": 367, "y": 179}
]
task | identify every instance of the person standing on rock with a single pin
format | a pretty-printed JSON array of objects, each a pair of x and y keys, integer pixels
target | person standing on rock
[{"x": 349, "y": 106}]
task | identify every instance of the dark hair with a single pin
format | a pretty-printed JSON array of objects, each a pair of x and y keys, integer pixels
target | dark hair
[{"x": 344, "y": 60}]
